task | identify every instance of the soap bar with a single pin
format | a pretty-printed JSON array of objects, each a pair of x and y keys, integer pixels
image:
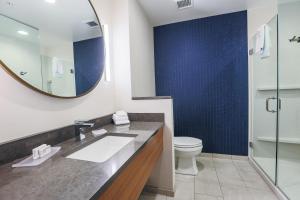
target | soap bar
[
  {"x": 35, "y": 153},
  {"x": 30, "y": 162},
  {"x": 99, "y": 132},
  {"x": 45, "y": 150},
  {"x": 41, "y": 151}
]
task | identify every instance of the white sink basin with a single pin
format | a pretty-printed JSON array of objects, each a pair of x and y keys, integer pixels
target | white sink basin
[{"x": 102, "y": 150}]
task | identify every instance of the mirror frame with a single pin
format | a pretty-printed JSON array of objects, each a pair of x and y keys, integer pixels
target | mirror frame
[{"x": 20, "y": 80}]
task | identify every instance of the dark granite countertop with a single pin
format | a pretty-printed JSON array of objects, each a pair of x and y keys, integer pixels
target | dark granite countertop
[{"x": 61, "y": 178}]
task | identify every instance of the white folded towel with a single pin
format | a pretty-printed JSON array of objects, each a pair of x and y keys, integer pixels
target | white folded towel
[
  {"x": 260, "y": 39},
  {"x": 120, "y": 118},
  {"x": 121, "y": 113},
  {"x": 263, "y": 41},
  {"x": 117, "y": 117},
  {"x": 268, "y": 43}
]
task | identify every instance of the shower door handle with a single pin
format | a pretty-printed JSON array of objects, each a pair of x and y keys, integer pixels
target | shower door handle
[
  {"x": 267, "y": 104},
  {"x": 279, "y": 104}
]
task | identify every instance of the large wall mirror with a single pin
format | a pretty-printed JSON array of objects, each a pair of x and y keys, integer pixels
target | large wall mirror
[{"x": 55, "y": 47}]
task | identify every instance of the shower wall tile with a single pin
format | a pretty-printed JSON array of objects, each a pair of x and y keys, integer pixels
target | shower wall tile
[{"x": 203, "y": 65}]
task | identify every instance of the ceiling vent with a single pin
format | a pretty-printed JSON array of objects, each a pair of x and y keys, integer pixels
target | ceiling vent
[
  {"x": 10, "y": 3},
  {"x": 92, "y": 24},
  {"x": 182, "y": 4}
]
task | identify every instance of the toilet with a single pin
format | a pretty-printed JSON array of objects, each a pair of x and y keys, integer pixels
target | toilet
[{"x": 186, "y": 150}]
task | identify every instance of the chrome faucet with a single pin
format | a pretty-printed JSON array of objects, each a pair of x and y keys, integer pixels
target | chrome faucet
[{"x": 79, "y": 129}]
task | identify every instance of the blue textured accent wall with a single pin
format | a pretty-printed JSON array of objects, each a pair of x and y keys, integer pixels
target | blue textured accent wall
[
  {"x": 203, "y": 65},
  {"x": 89, "y": 63}
]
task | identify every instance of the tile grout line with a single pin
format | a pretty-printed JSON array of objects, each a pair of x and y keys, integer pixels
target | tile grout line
[
  {"x": 218, "y": 178},
  {"x": 235, "y": 165},
  {"x": 244, "y": 181},
  {"x": 247, "y": 187},
  {"x": 194, "y": 187},
  {"x": 238, "y": 170}
]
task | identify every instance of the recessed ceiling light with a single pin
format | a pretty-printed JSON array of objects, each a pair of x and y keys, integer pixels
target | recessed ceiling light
[
  {"x": 50, "y": 1},
  {"x": 23, "y": 33}
]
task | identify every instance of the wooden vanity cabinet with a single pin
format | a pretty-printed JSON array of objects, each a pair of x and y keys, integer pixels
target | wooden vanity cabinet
[{"x": 130, "y": 182}]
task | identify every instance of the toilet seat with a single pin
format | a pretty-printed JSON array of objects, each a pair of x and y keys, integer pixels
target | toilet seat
[
  {"x": 188, "y": 149},
  {"x": 187, "y": 142}
]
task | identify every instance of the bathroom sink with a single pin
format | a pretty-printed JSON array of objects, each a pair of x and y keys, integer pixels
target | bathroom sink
[{"x": 102, "y": 150}]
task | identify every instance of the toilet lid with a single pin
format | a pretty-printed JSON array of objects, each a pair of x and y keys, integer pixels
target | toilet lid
[{"x": 187, "y": 142}]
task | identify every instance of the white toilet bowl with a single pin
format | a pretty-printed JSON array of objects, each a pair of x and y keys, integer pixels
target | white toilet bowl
[{"x": 186, "y": 150}]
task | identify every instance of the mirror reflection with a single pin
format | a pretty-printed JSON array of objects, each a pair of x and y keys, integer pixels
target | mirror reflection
[{"x": 56, "y": 48}]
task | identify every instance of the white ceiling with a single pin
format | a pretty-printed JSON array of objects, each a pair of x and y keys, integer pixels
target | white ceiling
[
  {"x": 287, "y": 1},
  {"x": 64, "y": 21},
  {"x": 162, "y": 12}
]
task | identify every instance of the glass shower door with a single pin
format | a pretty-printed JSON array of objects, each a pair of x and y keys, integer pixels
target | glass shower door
[
  {"x": 289, "y": 93},
  {"x": 265, "y": 104}
]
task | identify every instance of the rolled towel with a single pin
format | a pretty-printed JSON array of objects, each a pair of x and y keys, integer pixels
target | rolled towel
[
  {"x": 121, "y": 113},
  {"x": 120, "y": 118},
  {"x": 117, "y": 117}
]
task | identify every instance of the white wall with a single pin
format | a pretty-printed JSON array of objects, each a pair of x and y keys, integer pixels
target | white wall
[
  {"x": 289, "y": 69},
  {"x": 24, "y": 112},
  {"x": 265, "y": 75},
  {"x": 141, "y": 52},
  {"x": 64, "y": 51},
  {"x": 26, "y": 58},
  {"x": 163, "y": 177},
  {"x": 257, "y": 16},
  {"x": 265, "y": 71},
  {"x": 62, "y": 85}
]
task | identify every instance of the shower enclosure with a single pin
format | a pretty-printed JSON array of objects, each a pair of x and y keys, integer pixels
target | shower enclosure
[{"x": 276, "y": 101}]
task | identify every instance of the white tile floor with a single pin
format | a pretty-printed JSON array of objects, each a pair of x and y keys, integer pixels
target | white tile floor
[
  {"x": 287, "y": 169},
  {"x": 219, "y": 179}
]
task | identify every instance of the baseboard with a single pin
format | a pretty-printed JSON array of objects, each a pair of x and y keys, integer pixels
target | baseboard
[
  {"x": 223, "y": 156},
  {"x": 273, "y": 187},
  {"x": 156, "y": 190}
]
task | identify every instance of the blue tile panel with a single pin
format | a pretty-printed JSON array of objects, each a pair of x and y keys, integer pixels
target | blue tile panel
[
  {"x": 89, "y": 63},
  {"x": 203, "y": 65}
]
